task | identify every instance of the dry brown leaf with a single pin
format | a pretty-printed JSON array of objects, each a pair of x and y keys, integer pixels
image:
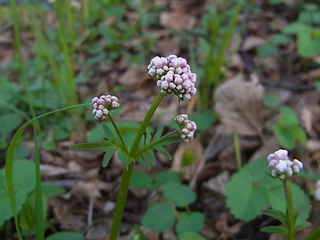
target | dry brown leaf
[
  {"x": 218, "y": 183},
  {"x": 132, "y": 75},
  {"x": 239, "y": 105},
  {"x": 252, "y": 42},
  {"x": 179, "y": 19},
  {"x": 196, "y": 147}
]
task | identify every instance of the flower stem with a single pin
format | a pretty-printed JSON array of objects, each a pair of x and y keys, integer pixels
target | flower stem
[
  {"x": 290, "y": 210},
  {"x": 121, "y": 201},
  {"x": 118, "y": 132},
  {"x": 237, "y": 151},
  {"x": 145, "y": 123}
]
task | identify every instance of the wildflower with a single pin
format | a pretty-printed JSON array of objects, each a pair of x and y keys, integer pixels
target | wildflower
[
  {"x": 317, "y": 193},
  {"x": 281, "y": 165},
  {"x": 102, "y": 106},
  {"x": 186, "y": 127},
  {"x": 173, "y": 75}
]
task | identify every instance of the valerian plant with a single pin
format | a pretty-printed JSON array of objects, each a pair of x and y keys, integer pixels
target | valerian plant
[{"x": 173, "y": 75}]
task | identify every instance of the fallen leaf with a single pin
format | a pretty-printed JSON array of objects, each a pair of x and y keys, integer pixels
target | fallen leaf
[
  {"x": 179, "y": 19},
  {"x": 239, "y": 105},
  {"x": 188, "y": 171},
  {"x": 132, "y": 75},
  {"x": 252, "y": 42}
]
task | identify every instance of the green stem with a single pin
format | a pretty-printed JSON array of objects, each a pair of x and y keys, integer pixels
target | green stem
[
  {"x": 121, "y": 200},
  {"x": 315, "y": 234},
  {"x": 118, "y": 132},
  {"x": 145, "y": 123},
  {"x": 237, "y": 150},
  {"x": 290, "y": 210},
  {"x": 19, "y": 58}
]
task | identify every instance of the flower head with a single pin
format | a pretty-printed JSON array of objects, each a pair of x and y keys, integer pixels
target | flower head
[
  {"x": 173, "y": 75},
  {"x": 281, "y": 165},
  {"x": 186, "y": 127},
  {"x": 102, "y": 106}
]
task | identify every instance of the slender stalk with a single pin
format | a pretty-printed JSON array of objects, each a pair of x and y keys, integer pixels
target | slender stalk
[
  {"x": 121, "y": 201},
  {"x": 290, "y": 210},
  {"x": 315, "y": 234},
  {"x": 145, "y": 123},
  {"x": 18, "y": 55},
  {"x": 118, "y": 132},
  {"x": 72, "y": 97},
  {"x": 237, "y": 150},
  {"x": 39, "y": 225}
]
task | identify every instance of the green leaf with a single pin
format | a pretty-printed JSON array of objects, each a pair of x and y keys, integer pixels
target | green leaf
[
  {"x": 188, "y": 158},
  {"x": 179, "y": 194},
  {"x": 148, "y": 137},
  {"x": 280, "y": 39},
  {"x": 278, "y": 201},
  {"x": 138, "y": 234},
  {"x": 107, "y": 133},
  {"x": 275, "y": 2},
  {"x": 94, "y": 147},
  {"x": 163, "y": 177},
  {"x": 66, "y": 235},
  {"x": 317, "y": 84},
  {"x": 152, "y": 157},
  {"x": 284, "y": 136},
  {"x": 141, "y": 180},
  {"x": 314, "y": 235},
  {"x": 300, "y": 135},
  {"x": 159, "y": 217},
  {"x": 164, "y": 152},
  {"x": 267, "y": 50},
  {"x": 52, "y": 190},
  {"x": 308, "y": 42},
  {"x": 293, "y": 28},
  {"x": 95, "y": 134},
  {"x": 302, "y": 226},
  {"x": 23, "y": 185},
  {"x": 9, "y": 163},
  {"x": 157, "y": 135},
  {"x": 275, "y": 229},
  {"x": 203, "y": 120},
  {"x": 190, "y": 222},
  {"x": 8, "y": 123},
  {"x": 302, "y": 209},
  {"x": 168, "y": 140},
  {"x": 275, "y": 214},
  {"x": 270, "y": 100},
  {"x": 28, "y": 213},
  {"x": 123, "y": 157},
  {"x": 147, "y": 161},
  {"x": 190, "y": 236},
  {"x": 287, "y": 120},
  {"x": 107, "y": 157},
  {"x": 251, "y": 185}
]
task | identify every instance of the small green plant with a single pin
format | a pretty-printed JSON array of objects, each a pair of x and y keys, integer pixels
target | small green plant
[
  {"x": 288, "y": 130},
  {"x": 177, "y": 196},
  {"x": 213, "y": 43},
  {"x": 291, "y": 209}
]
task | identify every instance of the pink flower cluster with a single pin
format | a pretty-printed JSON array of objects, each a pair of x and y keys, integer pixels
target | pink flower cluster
[
  {"x": 317, "y": 193},
  {"x": 174, "y": 76},
  {"x": 102, "y": 106},
  {"x": 281, "y": 165},
  {"x": 186, "y": 127}
]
